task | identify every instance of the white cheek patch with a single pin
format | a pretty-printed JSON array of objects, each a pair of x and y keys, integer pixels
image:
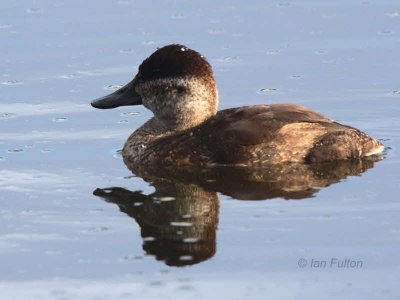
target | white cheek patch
[{"x": 195, "y": 95}]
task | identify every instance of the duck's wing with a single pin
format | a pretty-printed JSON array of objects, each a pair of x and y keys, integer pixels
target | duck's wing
[
  {"x": 277, "y": 133},
  {"x": 248, "y": 125},
  {"x": 257, "y": 134}
]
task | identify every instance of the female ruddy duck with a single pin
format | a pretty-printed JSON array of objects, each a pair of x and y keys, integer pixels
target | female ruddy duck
[{"x": 178, "y": 86}]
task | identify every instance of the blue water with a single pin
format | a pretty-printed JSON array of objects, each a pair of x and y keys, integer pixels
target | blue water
[{"x": 59, "y": 241}]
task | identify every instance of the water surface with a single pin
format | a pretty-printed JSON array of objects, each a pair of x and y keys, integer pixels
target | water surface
[{"x": 61, "y": 241}]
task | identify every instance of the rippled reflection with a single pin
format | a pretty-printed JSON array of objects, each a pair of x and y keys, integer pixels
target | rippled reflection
[{"x": 179, "y": 220}]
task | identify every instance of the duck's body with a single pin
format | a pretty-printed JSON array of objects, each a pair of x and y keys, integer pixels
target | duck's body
[
  {"x": 177, "y": 84},
  {"x": 251, "y": 136}
]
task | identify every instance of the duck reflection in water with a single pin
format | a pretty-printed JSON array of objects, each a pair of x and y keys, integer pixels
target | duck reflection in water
[{"x": 179, "y": 220}]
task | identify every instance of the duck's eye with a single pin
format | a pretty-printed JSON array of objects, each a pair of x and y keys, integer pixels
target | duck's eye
[{"x": 180, "y": 89}]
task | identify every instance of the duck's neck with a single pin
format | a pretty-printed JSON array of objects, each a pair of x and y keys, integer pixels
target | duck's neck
[
  {"x": 189, "y": 119},
  {"x": 156, "y": 128}
]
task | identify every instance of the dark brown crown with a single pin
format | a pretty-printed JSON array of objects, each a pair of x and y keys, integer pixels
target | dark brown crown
[{"x": 174, "y": 61}]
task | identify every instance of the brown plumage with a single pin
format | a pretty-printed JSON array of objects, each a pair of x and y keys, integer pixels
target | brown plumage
[
  {"x": 177, "y": 85},
  {"x": 259, "y": 135},
  {"x": 174, "y": 61}
]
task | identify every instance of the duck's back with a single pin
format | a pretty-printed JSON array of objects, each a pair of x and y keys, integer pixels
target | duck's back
[
  {"x": 264, "y": 134},
  {"x": 288, "y": 133}
]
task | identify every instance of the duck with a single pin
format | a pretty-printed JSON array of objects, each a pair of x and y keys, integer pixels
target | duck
[{"x": 177, "y": 84}]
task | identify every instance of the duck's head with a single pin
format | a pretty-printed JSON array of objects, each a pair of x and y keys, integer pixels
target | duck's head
[{"x": 175, "y": 83}]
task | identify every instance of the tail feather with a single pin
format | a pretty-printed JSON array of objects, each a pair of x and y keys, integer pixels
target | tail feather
[{"x": 344, "y": 145}]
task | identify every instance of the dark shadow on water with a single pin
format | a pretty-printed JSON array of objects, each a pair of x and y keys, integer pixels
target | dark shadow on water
[{"x": 179, "y": 220}]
